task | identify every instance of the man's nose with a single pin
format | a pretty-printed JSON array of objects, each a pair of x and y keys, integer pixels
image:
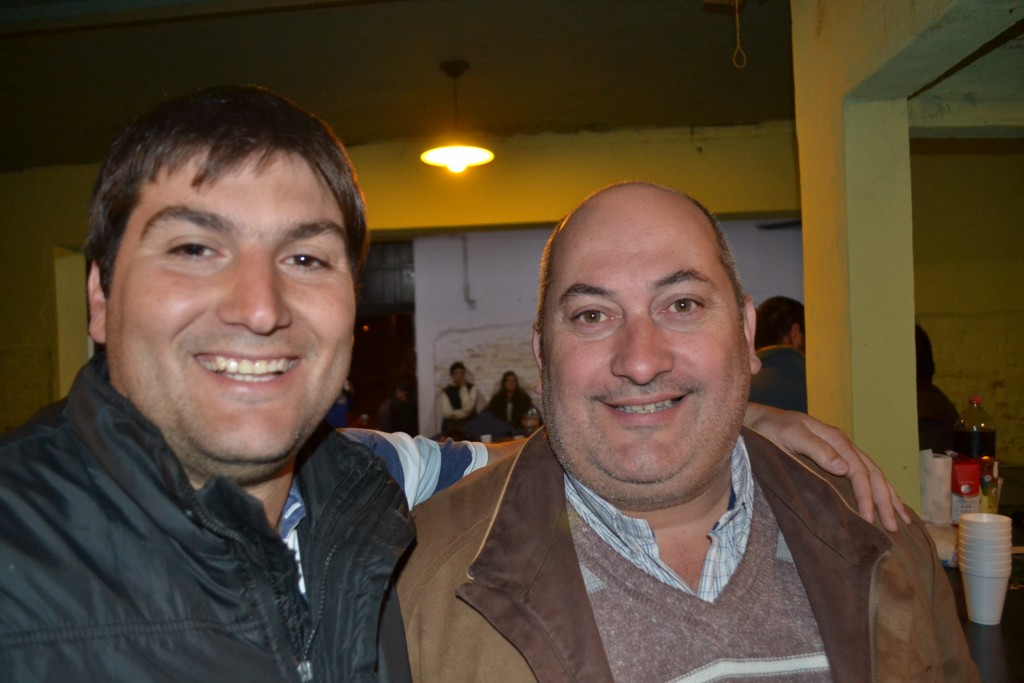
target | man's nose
[
  {"x": 642, "y": 351},
  {"x": 254, "y": 295}
]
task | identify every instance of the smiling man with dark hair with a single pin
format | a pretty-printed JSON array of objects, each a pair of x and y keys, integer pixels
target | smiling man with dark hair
[{"x": 150, "y": 523}]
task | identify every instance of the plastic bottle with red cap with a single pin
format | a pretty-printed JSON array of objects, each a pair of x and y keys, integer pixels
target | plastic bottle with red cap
[{"x": 974, "y": 434}]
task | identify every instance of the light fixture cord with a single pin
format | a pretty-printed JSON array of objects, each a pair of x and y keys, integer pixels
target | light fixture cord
[
  {"x": 455, "y": 101},
  {"x": 739, "y": 57}
]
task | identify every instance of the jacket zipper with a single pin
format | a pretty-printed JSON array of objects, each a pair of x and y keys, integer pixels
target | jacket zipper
[
  {"x": 873, "y": 615},
  {"x": 317, "y": 612},
  {"x": 305, "y": 664},
  {"x": 303, "y": 667}
]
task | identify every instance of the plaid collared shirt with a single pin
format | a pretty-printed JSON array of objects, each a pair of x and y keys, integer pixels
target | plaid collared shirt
[
  {"x": 294, "y": 512},
  {"x": 634, "y": 540}
]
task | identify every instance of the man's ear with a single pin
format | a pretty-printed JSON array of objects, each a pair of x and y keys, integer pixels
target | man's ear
[
  {"x": 795, "y": 338},
  {"x": 538, "y": 355},
  {"x": 97, "y": 306},
  {"x": 749, "y": 327}
]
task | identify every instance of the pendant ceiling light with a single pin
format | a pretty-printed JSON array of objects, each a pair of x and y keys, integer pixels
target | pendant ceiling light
[{"x": 456, "y": 155}]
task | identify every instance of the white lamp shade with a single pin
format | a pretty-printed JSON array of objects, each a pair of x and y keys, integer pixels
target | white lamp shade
[{"x": 457, "y": 157}]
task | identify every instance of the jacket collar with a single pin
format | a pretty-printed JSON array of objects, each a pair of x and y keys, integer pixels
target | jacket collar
[
  {"x": 526, "y": 580},
  {"x": 331, "y": 470},
  {"x": 132, "y": 451}
]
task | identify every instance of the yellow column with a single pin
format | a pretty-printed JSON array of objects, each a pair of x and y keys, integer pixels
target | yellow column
[
  {"x": 855, "y": 64},
  {"x": 879, "y": 248}
]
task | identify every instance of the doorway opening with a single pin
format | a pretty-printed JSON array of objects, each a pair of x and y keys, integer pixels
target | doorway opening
[{"x": 385, "y": 335}]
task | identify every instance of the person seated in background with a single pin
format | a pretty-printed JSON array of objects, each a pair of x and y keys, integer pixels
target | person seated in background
[
  {"x": 531, "y": 422},
  {"x": 510, "y": 403},
  {"x": 338, "y": 415},
  {"x": 459, "y": 402},
  {"x": 509, "y": 414},
  {"x": 936, "y": 414},
  {"x": 779, "y": 340},
  {"x": 644, "y": 534},
  {"x": 397, "y": 413}
]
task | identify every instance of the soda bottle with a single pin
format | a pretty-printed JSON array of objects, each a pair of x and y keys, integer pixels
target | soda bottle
[{"x": 974, "y": 435}]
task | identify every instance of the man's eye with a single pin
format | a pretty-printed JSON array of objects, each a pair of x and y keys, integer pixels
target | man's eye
[
  {"x": 307, "y": 261},
  {"x": 684, "y": 306},
  {"x": 589, "y": 317},
  {"x": 193, "y": 250}
]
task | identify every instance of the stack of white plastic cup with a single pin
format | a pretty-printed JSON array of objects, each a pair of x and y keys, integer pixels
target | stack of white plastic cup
[{"x": 983, "y": 553}]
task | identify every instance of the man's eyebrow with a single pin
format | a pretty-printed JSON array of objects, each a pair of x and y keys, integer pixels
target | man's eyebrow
[
  {"x": 203, "y": 219},
  {"x": 312, "y": 229},
  {"x": 218, "y": 223},
  {"x": 582, "y": 289},
  {"x": 685, "y": 275}
]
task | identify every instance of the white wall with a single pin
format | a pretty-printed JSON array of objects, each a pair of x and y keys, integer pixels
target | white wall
[
  {"x": 476, "y": 293},
  {"x": 478, "y": 309},
  {"x": 770, "y": 262}
]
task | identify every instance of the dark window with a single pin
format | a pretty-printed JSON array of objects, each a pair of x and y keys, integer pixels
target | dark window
[
  {"x": 387, "y": 284},
  {"x": 385, "y": 339}
]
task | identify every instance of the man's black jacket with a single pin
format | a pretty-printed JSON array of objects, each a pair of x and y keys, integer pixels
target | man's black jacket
[{"x": 113, "y": 568}]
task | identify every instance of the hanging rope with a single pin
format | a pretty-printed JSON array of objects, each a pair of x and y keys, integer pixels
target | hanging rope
[
  {"x": 739, "y": 57},
  {"x": 455, "y": 101}
]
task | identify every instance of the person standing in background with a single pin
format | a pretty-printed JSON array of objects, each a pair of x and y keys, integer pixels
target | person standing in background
[{"x": 782, "y": 381}]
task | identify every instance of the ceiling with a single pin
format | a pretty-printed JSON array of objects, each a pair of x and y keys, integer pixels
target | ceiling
[
  {"x": 74, "y": 75},
  {"x": 74, "y": 72}
]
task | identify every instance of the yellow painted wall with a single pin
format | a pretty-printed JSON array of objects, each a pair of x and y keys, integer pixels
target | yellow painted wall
[
  {"x": 737, "y": 170},
  {"x": 734, "y": 171},
  {"x": 969, "y": 267},
  {"x": 40, "y": 210},
  {"x": 854, "y": 176},
  {"x": 855, "y": 65},
  {"x": 71, "y": 301},
  {"x": 880, "y": 290}
]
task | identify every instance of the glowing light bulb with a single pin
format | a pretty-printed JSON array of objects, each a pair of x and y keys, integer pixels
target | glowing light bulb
[{"x": 457, "y": 157}]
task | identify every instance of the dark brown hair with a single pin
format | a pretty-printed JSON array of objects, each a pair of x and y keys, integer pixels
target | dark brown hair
[
  {"x": 775, "y": 318},
  {"x": 225, "y": 127}
]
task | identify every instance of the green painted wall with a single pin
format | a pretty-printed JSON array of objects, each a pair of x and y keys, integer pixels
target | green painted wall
[{"x": 968, "y": 271}]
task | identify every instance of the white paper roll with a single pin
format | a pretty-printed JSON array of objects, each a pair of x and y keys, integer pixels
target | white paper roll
[{"x": 936, "y": 475}]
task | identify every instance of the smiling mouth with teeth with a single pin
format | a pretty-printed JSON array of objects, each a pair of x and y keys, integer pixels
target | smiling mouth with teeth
[
  {"x": 648, "y": 407},
  {"x": 246, "y": 370}
]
